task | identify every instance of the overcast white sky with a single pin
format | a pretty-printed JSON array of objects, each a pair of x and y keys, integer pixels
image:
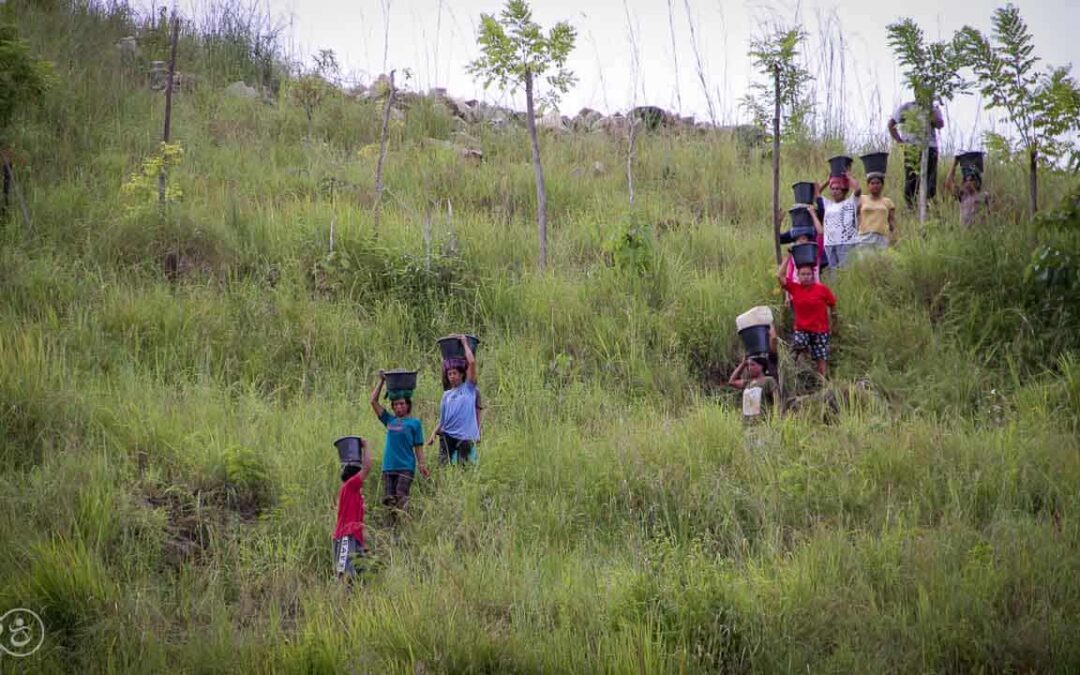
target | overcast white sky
[{"x": 435, "y": 39}]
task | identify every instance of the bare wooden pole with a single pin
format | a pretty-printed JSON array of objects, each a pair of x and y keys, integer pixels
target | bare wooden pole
[
  {"x": 776, "y": 163},
  {"x": 166, "y": 131},
  {"x": 382, "y": 152},
  {"x": 538, "y": 170}
]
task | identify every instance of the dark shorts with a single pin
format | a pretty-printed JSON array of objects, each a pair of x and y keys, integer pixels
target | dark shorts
[
  {"x": 396, "y": 486},
  {"x": 347, "y": 551},
  {"x": 456, "y": 451},
  {"x": 817, "y": 343}
]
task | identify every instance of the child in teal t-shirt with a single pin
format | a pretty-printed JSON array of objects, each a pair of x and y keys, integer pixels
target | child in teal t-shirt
[{"x": 403, "y": 450}]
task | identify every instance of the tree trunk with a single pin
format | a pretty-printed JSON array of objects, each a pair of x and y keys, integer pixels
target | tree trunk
[
  {"x": 167, "y": 130},
  {"x": 1033, "y": 180},
  {"x": 7, "y": 186},
  {"x": 776, "y": 165},
  {"x": 382, "y": 152},
  {"x": 541, "y": 194},
  {"x": 631, "y": 130},
  {"x": 924, "y": 166}
]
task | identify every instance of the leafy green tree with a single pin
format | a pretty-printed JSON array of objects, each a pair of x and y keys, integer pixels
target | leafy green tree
[
  {"x": 1043, "y": 107},
  {"x": 517, "y": 53},
  {"x": 23, "y": 78},
  {"x": 778, "y": 47},
  {"x": 932, "y": 71}
]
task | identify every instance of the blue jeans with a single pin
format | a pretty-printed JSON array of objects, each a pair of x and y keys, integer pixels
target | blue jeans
[{"x": 837, "y": 255}]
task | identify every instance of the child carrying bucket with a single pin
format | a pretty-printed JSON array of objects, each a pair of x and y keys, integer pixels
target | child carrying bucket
[
  {"x": 811, "y": 301},
  {"x": 458, "y": 429},
  {"x": 760, "y": 392},
  {"x": 800, "y": 234},
  {"x": 403, "y": 452},
  {"x": 349, "y": 529},
  {"x": 974, "y": 203}
]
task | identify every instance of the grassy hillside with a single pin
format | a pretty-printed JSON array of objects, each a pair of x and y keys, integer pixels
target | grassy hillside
[{"x": 170, "y": 387}]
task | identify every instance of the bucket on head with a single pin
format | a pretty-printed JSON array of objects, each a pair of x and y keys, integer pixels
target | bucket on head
[
  {"x": 804, "y": 192},
  {"x": 400, "y": 380},
  {"x": 348, "y": 449},
  {"x": 792, "y": 236},
  {"x": 969, "y": 160},
  {"x": 804, "y": 254},
  {"x": 755, "y": 316},
  {"x": 801, "y": 219},
  {"x": 755, "y": 339},
  {"x": 451, "y": 348},
  {"x": 875, "y": 162},
  {"x": 839, "y": 165}
]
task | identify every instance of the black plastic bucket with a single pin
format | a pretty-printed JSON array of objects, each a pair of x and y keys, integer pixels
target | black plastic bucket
[
  {"x": 804, "y": 254},
  {"x": 792, "y": 235},
  {"x": 970, "y": 159},
  {"x": 755, "y": 340},
  {"x": 839, "y": 165},
  {"x": 451, "y": 348},
  {"x": 348, "y": 449},
  {"x": 400, "y": 380},
  {"x": 801, "y": 219},
  {"x": 804, "y": 192},
  {"x": 875, "y": 162}
]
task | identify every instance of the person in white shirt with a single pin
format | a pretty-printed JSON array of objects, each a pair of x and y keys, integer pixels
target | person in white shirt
[{"x": 840, "y": 223}]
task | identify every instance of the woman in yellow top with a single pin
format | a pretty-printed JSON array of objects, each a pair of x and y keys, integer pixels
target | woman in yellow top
[{"x": 877, "y": 214}]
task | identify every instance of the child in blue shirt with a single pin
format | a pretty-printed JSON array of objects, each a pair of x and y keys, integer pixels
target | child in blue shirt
[
  {"x": 459, "y": 428},
  {"x": 404, "y": 448}
]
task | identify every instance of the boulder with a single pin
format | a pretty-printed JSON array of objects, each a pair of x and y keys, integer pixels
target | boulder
[
  {"x": 652, "y": 116},
  {"x": 240, "y": 89},
  {"x": 552, "y": 120},
  {"x": 128, "y": 47}
]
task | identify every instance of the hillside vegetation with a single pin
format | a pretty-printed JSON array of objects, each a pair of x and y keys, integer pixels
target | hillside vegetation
[{"x": 171, "y": 384}]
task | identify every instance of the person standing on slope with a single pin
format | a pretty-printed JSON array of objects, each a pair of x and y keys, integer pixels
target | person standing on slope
[
  {"x": 811, "y": 301},
  {"x": 841, "y": 220},
  {"x": 459, "y": 428},
  {"x": 907, "y": 126},
  {"x": 403, "y": 451}
]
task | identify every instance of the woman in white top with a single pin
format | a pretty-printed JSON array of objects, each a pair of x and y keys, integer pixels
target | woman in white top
[{"x": 841, "y": 221}]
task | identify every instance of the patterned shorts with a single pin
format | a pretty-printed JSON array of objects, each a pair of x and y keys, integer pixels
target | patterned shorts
[
  {"x": 396, "y": 486},
  {"x": 817, "y": 343}
]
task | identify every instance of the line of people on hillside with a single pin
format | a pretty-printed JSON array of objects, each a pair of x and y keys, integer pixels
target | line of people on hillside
[
  {"x": 843, "y": 222},
  {"x": 846, "y": 222},
  {"x": 458, "y": 431}
]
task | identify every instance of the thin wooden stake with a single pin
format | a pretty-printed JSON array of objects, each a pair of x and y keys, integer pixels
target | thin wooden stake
[
  {"x": 382, "y": 153},
  {"x": 776, "y": 165},
  {"x": 162, "y": 177}
]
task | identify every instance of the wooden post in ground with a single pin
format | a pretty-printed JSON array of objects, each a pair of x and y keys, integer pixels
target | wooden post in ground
[
  {"x": 162, "y": 177},
  {"x": 776, "y": 164},
  {"x": 382, "y": 152}
]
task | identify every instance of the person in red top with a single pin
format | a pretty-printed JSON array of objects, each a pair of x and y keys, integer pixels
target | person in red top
[
  {"x": 349, "y": 532},
  {"x": 811, "y": 301}
]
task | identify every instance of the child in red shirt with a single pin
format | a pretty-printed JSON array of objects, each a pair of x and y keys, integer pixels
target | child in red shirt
[
  {"x": 349, "y": 532},
  {"x": 811, "y": 301}
]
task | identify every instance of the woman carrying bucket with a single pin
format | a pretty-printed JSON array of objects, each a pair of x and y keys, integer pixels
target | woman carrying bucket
[
  {"x": 458, "y": 428},
  {"x": 877, "y": 213},
  {"x": 404, "y": 448},
  {"x": 841, "y": 218}
]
